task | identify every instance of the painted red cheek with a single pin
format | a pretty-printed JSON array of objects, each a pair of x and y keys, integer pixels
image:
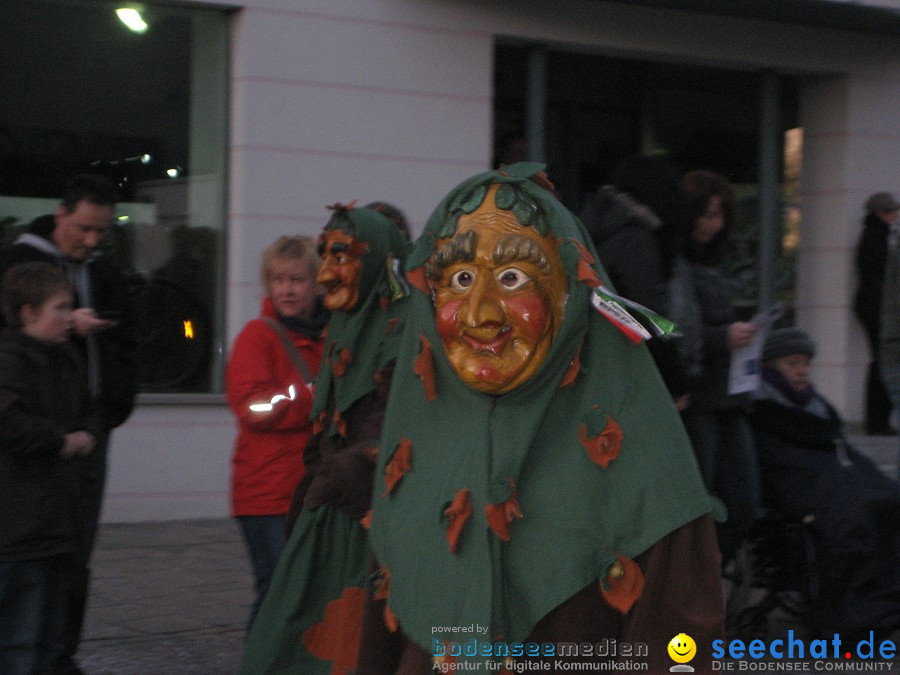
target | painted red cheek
[
  {"x": 529, "y": 314},
  {"x": 447, "y": 321},
  {"x": 344, "y": 275}
]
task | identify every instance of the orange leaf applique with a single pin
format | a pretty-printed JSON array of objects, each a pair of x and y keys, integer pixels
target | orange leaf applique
[
  {"x": 366, "y": 520},
  {"x": 605, "y": 447},
  {"x": 424, "y": 368},
  {"x": 382, "y": 584},
  {"x": 542, "y": 179},
  {"x": 391, "y": 325},
  {"x": 390, "y": 620},
  {"x": 572, "y": 372},
  {"x": 340, "y": 424},
  {"x": 337, "y": 206},
  {"x": 336, "y": 637},
  {"x": 587, "y": 274},
  {"x": 382, "y": 588},
  {"x": 583, "y": 251},
  {"x": 416, "y": 279},
  {"x": 400, "y": 463},
  {"x": 501, "y": 514},
  {"x": 623, "y": 585},
  {"x": 345, "y": 358},
  {"x": 319, "y": 422},
  {"x": 457, "y": 514}
]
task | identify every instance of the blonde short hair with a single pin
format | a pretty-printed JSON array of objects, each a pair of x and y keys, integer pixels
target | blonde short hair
[{"x": 290, "y": 248}]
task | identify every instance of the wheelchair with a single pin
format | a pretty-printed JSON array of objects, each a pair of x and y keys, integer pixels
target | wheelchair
[{"x": 774, "y": 584}]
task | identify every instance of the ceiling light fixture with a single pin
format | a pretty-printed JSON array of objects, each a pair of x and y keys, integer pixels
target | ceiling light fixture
[{"x": 132, "y": 18}]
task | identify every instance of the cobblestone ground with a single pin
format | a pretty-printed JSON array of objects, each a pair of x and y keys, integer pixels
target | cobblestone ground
[
  {"x": 173, "y": 597},
  {"x": 167, "y": 598}
]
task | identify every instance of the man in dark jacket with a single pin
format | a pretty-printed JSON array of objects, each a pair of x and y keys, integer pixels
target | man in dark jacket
[
  {"x": 71, "y": 238},
  {"x": 632, "y": 222},
  {"x": 882, "y": 209}
]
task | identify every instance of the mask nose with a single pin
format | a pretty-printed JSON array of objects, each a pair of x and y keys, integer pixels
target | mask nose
[
  {"x": 481, "y": 306},
  {"x": 326, "y": 273}
]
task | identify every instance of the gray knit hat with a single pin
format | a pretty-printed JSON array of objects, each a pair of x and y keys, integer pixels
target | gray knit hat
[
  {"x": 786, "y": 341},
  {"x": 882, "y": 201}
]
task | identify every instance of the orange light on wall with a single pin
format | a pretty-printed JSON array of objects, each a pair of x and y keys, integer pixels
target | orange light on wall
[{"x": 188, "y": 329}]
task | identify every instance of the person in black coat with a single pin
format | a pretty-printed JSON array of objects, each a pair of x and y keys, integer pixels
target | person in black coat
[
  {"x": 48, "y": 423},
  {"x": 71, "y": 239},
  {"x": 882, "y": 209},
  {"x": 811, "y": 474},
  {"x": 716, "y": 419},
  {"x": 632, "y": 222}
]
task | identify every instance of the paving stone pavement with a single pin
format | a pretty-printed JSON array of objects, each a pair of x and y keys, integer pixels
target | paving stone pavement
[
  {"x": 166, "y": 598},
  {"x": 173, "y": 597}
]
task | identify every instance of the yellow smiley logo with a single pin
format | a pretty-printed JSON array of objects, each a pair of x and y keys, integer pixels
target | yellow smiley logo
[{"x": 682, "y": 648}]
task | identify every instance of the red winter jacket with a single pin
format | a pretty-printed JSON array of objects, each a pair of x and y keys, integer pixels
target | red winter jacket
[{"x": 268, "y": 454}]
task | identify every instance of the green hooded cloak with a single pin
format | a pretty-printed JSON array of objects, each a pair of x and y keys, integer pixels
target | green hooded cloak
[
  {"x": 448, "y": 561},
  {"x": 361, "y": 342},
  {"x": 310, "y": 619}
]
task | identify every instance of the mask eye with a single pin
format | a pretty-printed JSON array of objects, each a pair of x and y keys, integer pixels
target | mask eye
[
  {"x": 461, "y": 280},
  {"x": 512, "y": 278}
]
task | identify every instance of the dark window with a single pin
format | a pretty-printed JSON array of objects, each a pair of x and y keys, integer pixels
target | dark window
[{"x": 84, "y": 93}]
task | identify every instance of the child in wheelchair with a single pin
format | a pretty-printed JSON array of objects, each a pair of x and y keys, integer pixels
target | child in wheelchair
[{"x": 831, "y": 533}]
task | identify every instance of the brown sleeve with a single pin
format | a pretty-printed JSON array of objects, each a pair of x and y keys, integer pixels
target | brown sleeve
[
  {"x": 343, "y": 475},
  {"x": 682, "y": 594},
  {"x": 310, "y": 460}
]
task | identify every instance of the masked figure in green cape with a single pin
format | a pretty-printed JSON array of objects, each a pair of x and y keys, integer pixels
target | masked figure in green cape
[
  {"x": 310, "y": 620},
  {"x": 534, "y": 484}
]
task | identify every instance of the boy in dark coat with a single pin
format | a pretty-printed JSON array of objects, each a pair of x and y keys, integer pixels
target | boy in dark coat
[
  {"x": 47, "y": 422},
  {"x": 71, "y": 238}
]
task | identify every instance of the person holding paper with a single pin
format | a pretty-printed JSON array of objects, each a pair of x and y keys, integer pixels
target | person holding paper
[{"x": 716, "y": 421}]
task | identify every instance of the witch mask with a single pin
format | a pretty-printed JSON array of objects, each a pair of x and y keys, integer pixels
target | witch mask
[{"x": 499, "y": 294}]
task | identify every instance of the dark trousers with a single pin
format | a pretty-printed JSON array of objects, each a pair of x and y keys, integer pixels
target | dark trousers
[
  {"x": 265, "y": 539},
  {"x": 878, "y": 403},
  {"x": 67, "y": 599},
  {"x": 23, "y": 599},
  {"x": 726, "y": 452}
]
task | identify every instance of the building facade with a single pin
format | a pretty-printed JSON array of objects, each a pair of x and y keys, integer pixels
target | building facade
[{"x": 340, "y": 100}]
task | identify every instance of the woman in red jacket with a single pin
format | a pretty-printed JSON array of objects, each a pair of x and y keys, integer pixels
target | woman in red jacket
[{"x": 268, "y": 382}]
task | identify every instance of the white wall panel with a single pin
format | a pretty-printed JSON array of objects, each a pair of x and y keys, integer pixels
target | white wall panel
[
  {"x": 334, "y": 100},
  {"x": 169, "y": 463},
  {"x": 363, "y": 120}
]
